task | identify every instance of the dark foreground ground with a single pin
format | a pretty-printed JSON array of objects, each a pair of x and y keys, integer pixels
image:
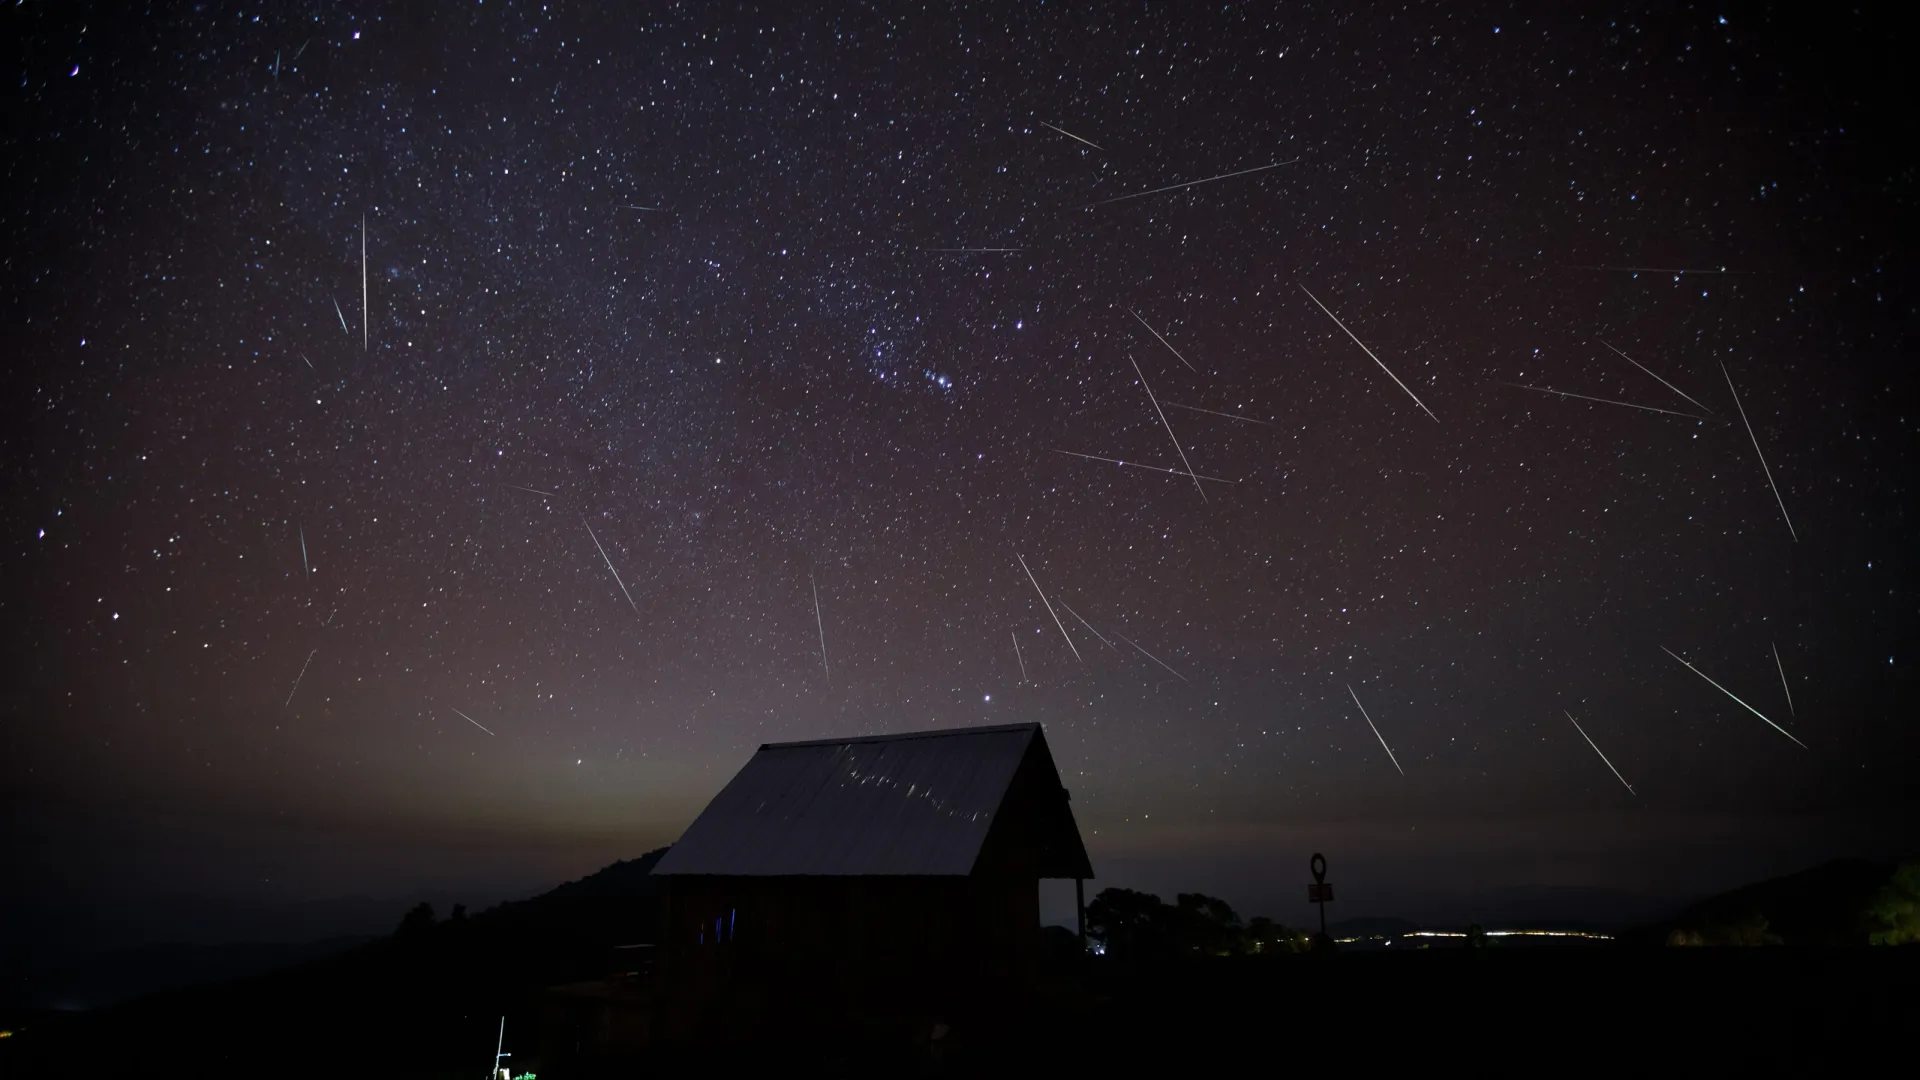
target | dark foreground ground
[{"x": 1551, "y": 1011}]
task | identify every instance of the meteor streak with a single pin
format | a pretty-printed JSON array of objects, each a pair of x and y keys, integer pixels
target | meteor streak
[
  {"x": 1603, "y": 757},
  {"x": 304, "y": 565},
  {"x": 1150, "y": 656},
  {"x": 1369, "y": 352},
  {"x": 1783, "y": 678},
  {"x": 1212, "y": 412},
  {"x": 1049, "y": 603},
  {"x": 1169, "y": 427},
  {"x": 366, "y": 341},
  {"x": 1188, "y": 184},
  {"x": 1735, "y": 697},
  {"x": 611, "y": 570},
  {"x": 1376, "y": 731},
  {"x": 1601, "y": 400},
  {"x": 1163, "y": 341},
  {"x": 1137, "y": 465},
  {"x": 297, "y": 678},
  {"x": 822, "y": 626},
  {"x": 532, "y": 491},
  {"x": 1663, "y": 382},
  {"x": 1089, "y": 626},
  {"x": 343, "y": 317},
  {"x": 1757, "y": 453},
  {"x": 1017, "y": 656},
  {"x": 472, "y": 721},
  {"x": 1071, "y": 135}
]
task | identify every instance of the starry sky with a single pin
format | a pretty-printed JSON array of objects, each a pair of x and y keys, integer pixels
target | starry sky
[{"x": 429, "y": 427}]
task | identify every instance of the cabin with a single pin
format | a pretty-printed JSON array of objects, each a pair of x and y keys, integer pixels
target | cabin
[{"x": 879, "y": 878}]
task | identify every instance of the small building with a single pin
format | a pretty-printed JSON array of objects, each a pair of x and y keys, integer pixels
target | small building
[{"x": 864, "y": 880}]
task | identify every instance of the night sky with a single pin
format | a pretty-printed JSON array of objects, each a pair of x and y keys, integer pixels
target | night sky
[{"x": 500, "y": 575}]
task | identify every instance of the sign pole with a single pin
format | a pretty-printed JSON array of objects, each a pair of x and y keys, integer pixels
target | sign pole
[{"x": 1321, "y": 891}]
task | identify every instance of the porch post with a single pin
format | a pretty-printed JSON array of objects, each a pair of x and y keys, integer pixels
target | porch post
[{"x": 1080, "y": 910}]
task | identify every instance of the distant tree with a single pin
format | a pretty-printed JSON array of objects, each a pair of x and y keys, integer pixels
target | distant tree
[
  {"x": 416, "y": 922},
  {"x": 1135, "y": 925},
  {"x": 1476, "y": 936},
  {"x": 1748, "y": 930},
  {"x": 1896, "y": 911},
  {"x": 459, "y": 914},
  {"x": 1265, "y": 937},
  {"x": 1126, "y": 924},
  {"x": 1742, "y": 929},
  {"x": 1207, "y": 925}
]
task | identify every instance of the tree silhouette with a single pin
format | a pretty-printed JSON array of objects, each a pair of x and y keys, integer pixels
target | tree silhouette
[
  {"x": 1127, "y": 924},
  {"x": 1208, "y": 926},
  {"x": 1896, "y": 911},
  {"x": 1265, "y": 937},
  {"x": 1131, "y": 925},
  {"x": 416, "y": 922}
]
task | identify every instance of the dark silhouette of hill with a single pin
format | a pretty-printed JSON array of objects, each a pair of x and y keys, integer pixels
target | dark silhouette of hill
[
  {"x": 1830, "y": 905},
  {"x": 66, "y": 960},
  {"x": 626, "y": 879},
  {"x": 117, "y": 975},
  {"x": 76, "y": 928},
  {"x": 424, "y": 1001}
]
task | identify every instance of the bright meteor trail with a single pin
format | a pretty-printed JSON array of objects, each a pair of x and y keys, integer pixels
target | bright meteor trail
[
  {"x": 822, "y": 626},
  {"x": 1663, "y": 382},
  {"x": 1163, "y": 423},
  {"x": 1137, "y": 465},
  {"x": 1163, "y": 341},
  {"x": 1376, "y": 731},
  {"x": 611, "y": 570},
  {"x": 1188, "y": 184},
  {"x": 1369, "y": 352},
  {"x": 1735, "y": 697},
  {"x": 1761, "y": 455},
  {"x": 472, "y": 721},
  {"x": 1603, "y": 757},
  {"x": 1049, "y": 603},
  {"x": 1071, "y": 135},
  {"x": 1601, "y": 400},
  {"x": 297, "y": 678},
  {"x": 1782, "y": 668}
]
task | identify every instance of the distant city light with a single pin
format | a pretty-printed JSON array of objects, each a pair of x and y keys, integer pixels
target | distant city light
[{"x": 1390, "y": 938}]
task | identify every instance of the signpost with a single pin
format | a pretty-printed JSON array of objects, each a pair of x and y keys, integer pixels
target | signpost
[{"x": 1321, "y": 891}]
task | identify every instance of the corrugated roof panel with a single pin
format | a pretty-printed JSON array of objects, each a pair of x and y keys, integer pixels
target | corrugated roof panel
[{"x": 917, "y": 804}]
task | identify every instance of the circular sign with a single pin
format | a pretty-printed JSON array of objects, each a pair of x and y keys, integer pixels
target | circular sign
[{"x": 1318, "y": 864}]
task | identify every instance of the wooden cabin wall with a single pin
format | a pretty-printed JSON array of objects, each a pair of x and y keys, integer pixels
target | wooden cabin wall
[{"x": 926, "y": 943}]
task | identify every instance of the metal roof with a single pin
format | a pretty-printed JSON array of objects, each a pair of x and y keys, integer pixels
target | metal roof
[{"x": 914, "y": 804}]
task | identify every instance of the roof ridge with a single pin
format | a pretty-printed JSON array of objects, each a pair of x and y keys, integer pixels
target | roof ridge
[{"x": 985, "y": 729}]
